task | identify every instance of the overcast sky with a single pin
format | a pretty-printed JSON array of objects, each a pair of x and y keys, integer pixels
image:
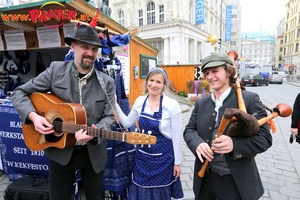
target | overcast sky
[{"x": 262, "y": 15}]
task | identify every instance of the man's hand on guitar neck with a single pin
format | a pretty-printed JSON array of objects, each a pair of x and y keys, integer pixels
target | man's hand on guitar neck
[
  {"x": 82, "y": 136},
  {"x": 40, "y": 123}
]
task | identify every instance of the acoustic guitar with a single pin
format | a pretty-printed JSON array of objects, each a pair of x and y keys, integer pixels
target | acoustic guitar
[{"x": 67, "y": 118}]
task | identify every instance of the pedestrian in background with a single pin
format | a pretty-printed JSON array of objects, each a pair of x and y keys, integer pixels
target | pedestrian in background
[
  {"x": 74, "y": 82},
  {"x": 157, "y": 169},
  {"x": 295, "y": 125},
  {"x": 232, "y": 172}
]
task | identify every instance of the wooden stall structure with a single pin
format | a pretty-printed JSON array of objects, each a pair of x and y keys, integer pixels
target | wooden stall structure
[
  {"x": 53, "y": 14},
  {"x": 180, "y": 74}
]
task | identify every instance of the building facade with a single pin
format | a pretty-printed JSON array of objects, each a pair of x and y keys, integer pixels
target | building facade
[
  {"x": 170, "y": 26},
  {"x": 291, "y": 38},
  {"x": 279, "y": 61},
  {"x": 235, "y": 42},
  {"x": 258, "y": 48}
]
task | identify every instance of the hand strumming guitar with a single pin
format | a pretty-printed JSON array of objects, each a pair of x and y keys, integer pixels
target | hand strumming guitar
[{"x": 40, "y": 123}]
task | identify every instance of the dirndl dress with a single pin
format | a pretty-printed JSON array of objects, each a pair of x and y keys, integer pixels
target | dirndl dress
[{"x": 153, "y": 170}]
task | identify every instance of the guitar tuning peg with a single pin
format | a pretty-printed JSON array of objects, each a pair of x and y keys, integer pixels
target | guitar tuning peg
[
  {"x": 142, "y": 133},
  {"x": 142, "y": 145},
  {"x": 149, "y": 132},
  {"x": 149, "y": 145}
]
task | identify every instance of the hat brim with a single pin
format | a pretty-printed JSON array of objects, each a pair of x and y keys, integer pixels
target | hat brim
[
  {"x": 214, "y": 64},
  {"x": 69, "y": 40}
]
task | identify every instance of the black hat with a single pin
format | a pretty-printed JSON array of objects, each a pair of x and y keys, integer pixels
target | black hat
[
  {"x": 86, "y": 34},
  {"x": 22, "y": 54},
  {"x": 24, "y": 67}
]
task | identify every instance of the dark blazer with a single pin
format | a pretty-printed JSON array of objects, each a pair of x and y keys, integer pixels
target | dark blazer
[
  {"x": 244, "y": 170},
  {"x": 61, "y": 80},
  {"x": 296, "y": 113}
]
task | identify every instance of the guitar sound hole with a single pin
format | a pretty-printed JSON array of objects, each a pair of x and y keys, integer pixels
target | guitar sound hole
[
  {"x": 58, "y": 134},
  {"x": 57, "y": 125}
]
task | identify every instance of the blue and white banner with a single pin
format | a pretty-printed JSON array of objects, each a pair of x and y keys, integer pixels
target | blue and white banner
[
  {"x": 200, "y": 12},
  {"x": 228, "y": 23},
  {"x": 17, "y": 159}
]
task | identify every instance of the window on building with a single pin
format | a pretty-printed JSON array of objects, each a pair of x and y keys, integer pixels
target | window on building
[
  {"x": 191, "y": 12},
  {"x": 298, "y": 32},
  {"x": 286, "y": 27},
  {"x": 121, "y": 18},
  {"x": 280, "y": 50},
  {"x": 234, "y": 16},
  {"x": 281, "y": 41},
  {"x": 297, "y": 47},
  {"x": 141, "y": 18},
  {"x": 160, "y": 46},
  {"x": 161, "y": 13},
  {"x": 150, "y": 13}
]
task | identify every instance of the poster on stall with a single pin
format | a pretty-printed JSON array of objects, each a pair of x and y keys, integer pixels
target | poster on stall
[
  {"x": 15, "y": 39},
  {"x": 123, "y": 56},
  {"x": 48, "y": 37}
]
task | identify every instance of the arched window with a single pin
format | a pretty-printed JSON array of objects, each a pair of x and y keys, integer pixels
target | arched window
[
  {"x": 150, "y": 13},
  {"x": 121, "y": 18},
  {"x": 297, "y": 47}
]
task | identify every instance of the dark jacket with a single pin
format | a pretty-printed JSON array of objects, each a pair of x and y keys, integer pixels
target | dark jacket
[
  {"x": 296, "y": 113},
  {"x": 244, "y": 170},
  {"x": 61, "y": 80}
]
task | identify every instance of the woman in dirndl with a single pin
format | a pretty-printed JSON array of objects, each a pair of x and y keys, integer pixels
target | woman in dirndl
[{"x": 157, "y": 168}]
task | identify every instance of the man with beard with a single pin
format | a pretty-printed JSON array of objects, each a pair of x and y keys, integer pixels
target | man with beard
[{"x": 74, "y": 82}]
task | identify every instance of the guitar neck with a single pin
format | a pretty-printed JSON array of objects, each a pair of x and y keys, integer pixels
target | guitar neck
[{"x": 96, "y": 132}]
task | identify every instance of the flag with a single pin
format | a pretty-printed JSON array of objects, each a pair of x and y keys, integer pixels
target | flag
[
  {"x": 199, "y": 12},
  {"x": 228, "y": 23}
]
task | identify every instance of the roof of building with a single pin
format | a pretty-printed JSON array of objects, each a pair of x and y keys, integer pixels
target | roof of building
[{"x": 261, "y": 36}]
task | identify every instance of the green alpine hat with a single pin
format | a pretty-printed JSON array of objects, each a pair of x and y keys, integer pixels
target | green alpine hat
[{"x": 216, "y": 59}]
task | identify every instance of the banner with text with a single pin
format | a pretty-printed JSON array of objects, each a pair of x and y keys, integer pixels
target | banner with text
[
  {"x": 228, "y": 23},
  {"x": 200, "y": 12},
  {"x": 17, "y": 159}
]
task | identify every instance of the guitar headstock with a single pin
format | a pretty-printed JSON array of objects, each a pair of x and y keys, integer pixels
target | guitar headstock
[{"x": 140, "y": 138}]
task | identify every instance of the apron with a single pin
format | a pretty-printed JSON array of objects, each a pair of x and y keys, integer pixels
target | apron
[{"x": 153, "y": 166}]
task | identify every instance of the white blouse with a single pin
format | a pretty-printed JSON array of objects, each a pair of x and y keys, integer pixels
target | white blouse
[{"x": 170, "y": 125}]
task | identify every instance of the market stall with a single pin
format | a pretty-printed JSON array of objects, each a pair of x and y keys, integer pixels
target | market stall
[{"x": 32, "y": 35}]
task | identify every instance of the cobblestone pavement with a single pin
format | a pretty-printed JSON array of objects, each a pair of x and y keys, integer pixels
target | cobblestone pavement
[{"x": 279, "y": 167}]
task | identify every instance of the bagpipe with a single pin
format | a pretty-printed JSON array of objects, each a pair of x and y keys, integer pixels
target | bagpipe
[{"x": 242, "y": 120}]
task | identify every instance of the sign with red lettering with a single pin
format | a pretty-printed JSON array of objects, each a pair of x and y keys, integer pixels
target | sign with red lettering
[{"x": 46, "y": 13}]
